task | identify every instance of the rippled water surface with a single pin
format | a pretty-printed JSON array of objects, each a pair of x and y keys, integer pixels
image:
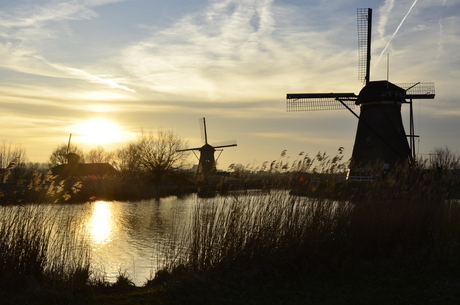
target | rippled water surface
[
  {"x": 127, "y": 236},
  {"x": 123, "y": 236}
]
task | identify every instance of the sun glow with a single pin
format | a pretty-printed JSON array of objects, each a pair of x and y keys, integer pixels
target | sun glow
[
  {"x": 98, "y": 131},
  {"x": 101, "y": 223}
]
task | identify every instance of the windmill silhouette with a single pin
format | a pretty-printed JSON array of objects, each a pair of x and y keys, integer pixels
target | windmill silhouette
[
  {"x": 72, "y": 158},
  {"x": 380, "y": 135},
  {"x": 206, "y": 161}
]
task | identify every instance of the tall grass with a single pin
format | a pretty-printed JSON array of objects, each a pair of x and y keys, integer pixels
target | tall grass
[
  {"x": 405, "y": 216},
  {"x": 38, "y": 248},
  {"x": 264, "y": 232}
]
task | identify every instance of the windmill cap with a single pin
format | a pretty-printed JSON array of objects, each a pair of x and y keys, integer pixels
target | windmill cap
[
  {"x": 72, "y": 158},
  {"x": 207, "y": 147},
  {"x": 381, "y": 91}
]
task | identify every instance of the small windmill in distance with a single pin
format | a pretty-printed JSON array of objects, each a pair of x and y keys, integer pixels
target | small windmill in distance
[
  {"x": 380, "y": 136},
  {"x": 207, "y": 161},
  {"x": 72, "y": 158}
]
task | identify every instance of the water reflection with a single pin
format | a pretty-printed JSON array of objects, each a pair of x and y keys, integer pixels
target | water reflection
[
  {"x": 101, "y": 223},
  {"x": 128, "y": 236},
  {"x": 123, "y": 236}
]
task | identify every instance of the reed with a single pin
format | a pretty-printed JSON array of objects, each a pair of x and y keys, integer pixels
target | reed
[
  {"x": 265, "y": 233},
  {"x": 39, "y": 248},
  {"x": 406, "y": 216}
]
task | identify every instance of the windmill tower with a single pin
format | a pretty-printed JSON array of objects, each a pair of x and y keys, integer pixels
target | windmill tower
[
  {"x": 206, "y": 161},
  {"x": 380, "y": 135}
]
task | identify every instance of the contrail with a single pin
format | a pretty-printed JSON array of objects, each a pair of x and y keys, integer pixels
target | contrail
[{"x": 397, "y": 29}]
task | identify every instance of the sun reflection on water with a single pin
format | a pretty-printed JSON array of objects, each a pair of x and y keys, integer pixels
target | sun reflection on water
[{"x": 101, "y": 222}]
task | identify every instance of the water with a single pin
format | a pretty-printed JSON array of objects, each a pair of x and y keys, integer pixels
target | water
[
  {"x": 123, "y": 236},
  {"x": 126, "y": 237}
]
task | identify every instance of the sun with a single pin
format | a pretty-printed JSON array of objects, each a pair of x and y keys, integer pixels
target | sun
[{"x": 98, "y": 131}]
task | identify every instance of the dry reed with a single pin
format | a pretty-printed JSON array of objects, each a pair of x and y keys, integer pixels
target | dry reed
[
  {"x": 40, "y": 248},
  {"x": 405, "y": 214}
]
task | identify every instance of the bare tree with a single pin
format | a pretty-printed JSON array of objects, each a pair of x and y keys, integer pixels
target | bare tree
[
  {"x": 126, "y": 160},
  {"x": 99, "y": 155},
  {"x": 443, "y": 158},
  {"x": 59, "y": 154},
  {"x": 154, "y": 153}
]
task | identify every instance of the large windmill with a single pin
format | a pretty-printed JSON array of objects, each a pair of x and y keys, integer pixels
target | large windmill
[
  {"x": 206, "y": 161},
  {"x": 380, "y": 135}
]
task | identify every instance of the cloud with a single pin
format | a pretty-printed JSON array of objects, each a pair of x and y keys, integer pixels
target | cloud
[
  {"x": 231, "y": 50},
  {"x": 224, "y": 51},
  {"x": 45, "y": 11},
  {"x": 29, "y": 29},
  {"x": 385, "y": 11},
  {"x": 93, "y": 78},
  {"x": 36, "y": 15}
]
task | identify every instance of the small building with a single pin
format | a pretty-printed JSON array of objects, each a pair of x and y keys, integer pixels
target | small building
[{"x": 75, "y": 169}]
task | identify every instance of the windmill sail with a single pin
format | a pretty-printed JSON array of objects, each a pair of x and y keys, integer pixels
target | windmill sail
[
  {"x": 319, "y": 101},
  {"x": 364, "y": 44},
  {"x": 418, "y": 90}
]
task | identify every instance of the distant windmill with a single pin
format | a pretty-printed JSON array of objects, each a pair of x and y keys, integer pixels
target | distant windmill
[
  {"x": 207, "y": 162},
  {"x": 380, "y": 135},
  {"x": 72, "y": 158}
]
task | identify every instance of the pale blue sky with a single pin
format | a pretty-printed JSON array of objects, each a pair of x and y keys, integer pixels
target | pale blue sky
[{"x": 164, "y": 64}]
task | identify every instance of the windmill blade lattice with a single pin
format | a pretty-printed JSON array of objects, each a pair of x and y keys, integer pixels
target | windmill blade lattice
[
  {"x": 364, "y": 43},
  {"x": 319, "y": 101},
  {"x": 418, "y": 90}
]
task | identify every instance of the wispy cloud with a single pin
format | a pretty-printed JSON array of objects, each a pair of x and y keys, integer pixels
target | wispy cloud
[
  {"x": 440, "y": 43},
  {"x": 93, "y": 78},
  {"x": 45, "y": 11},
  {"x": 385, "y": 11},
  {"x": 397, "y": 29},
  {"x": 232, "y": 49},
  {"x": 25, "y": 27}
]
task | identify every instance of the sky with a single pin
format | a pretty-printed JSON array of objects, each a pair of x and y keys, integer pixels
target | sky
[{"x": 103, "y": 70}]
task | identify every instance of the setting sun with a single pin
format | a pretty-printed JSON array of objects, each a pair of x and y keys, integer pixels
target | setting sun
[{"x": 98, "y": 131}]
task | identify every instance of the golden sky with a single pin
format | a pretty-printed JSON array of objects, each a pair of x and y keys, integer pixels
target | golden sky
[{"x": 105, "y": 69}]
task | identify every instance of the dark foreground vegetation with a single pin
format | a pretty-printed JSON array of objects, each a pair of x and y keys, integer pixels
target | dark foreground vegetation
[{"x": 395, "y": 240}]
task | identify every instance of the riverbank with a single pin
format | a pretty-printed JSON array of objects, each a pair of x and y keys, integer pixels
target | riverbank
[
  {"x": 379, "y": 282},
  {"x": 373, "y": 283}
]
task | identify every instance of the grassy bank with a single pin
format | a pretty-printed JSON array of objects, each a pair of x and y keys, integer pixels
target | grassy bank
[
  {"x": 395, "y": 240},
  {"x": 406, "y": 224}
]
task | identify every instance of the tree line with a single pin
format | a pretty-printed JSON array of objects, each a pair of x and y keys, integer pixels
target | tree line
[{"x": 152, "y": 154}]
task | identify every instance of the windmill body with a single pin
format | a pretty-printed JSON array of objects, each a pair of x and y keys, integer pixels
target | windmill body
[
  {"x": 207, "y": 161},
  {"x": 380, "y": 135}
]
